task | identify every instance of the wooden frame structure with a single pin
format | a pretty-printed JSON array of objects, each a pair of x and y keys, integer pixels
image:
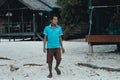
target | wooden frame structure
[
  {"x": 100, "y": 39},
  {"x": 24, "y": 18}
]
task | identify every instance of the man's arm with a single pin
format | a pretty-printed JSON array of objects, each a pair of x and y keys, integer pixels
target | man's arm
[
  {"x": 62, "y": 44},
  {"x": 44, "y": 43}
]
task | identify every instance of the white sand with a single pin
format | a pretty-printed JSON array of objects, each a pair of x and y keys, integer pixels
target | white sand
[{"x": 31, "y": 52}]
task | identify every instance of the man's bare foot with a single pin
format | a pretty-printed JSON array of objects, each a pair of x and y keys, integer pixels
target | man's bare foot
[
  {"x": 49, "y": 76},
  {"x": 58, "y": 71}
]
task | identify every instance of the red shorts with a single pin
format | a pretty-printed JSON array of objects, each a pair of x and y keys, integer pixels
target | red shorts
[{"x": 54, "y": 52}]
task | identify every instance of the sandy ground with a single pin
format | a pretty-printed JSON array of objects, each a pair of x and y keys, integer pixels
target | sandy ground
[{"x": 22, "y": 53}]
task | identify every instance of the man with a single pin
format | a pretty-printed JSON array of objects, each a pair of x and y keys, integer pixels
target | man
[{"x": 53, "y": 37}]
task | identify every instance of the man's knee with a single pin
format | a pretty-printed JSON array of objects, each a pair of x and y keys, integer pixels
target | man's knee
[{"x": 58, "y": 60}]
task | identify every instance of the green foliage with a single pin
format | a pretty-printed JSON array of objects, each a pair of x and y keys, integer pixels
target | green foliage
[{"x": 73, "y": 11}]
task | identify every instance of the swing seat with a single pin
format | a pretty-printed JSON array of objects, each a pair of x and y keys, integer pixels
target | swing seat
[{"x": 103, "y": 39}]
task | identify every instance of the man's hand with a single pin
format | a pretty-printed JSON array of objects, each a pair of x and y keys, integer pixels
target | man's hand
[
  {"x": 44, "y": 50},
  {"x": 44, "y": 44},
  {"x": 63, "y": 50}
]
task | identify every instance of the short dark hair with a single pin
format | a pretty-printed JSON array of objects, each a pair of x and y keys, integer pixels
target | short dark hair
[{"x": 54, "y": 15}]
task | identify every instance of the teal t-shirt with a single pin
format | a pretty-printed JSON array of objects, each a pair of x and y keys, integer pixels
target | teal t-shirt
[{"x": 53, "y": 36}]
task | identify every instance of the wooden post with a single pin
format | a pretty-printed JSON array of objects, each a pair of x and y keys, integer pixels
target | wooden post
[
  {"x": 90, "y": 15},
  {"x": 90, "y": 49},
  {"x": 9, "y": 25},
  {"x": 8, "y": 14},
  {"x": 14, "y": 39},
  {"x": 22, "y": 19},
  {"x": 9, "y": 39},
  {"x": 118, "y": 47},
  {"x": 34, "y": 27}
]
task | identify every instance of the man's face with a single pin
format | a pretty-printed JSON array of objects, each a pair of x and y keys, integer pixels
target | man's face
[{"x": 54, "y": 20}]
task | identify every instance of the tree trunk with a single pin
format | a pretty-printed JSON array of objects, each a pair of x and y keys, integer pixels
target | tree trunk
[{"x": 118, "y": 47}]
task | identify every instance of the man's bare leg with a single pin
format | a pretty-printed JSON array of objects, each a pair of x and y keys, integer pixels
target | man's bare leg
[
  {"x": 57, "y": 69},
  {"x": 50, "y": 71}
]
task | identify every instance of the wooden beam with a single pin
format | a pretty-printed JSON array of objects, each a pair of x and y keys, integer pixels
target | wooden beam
[{"x": 103, "y": 38}]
